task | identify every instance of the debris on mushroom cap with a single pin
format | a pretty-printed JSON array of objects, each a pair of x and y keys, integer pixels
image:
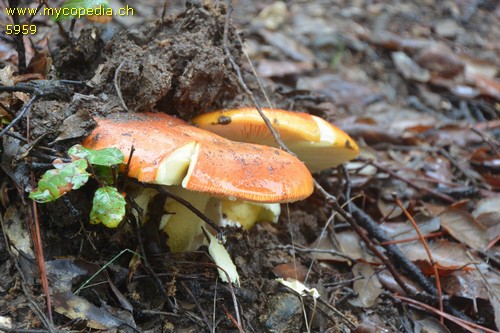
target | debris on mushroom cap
[
  {"x": 316, "y": 142},
  {"x": 169, "y": 151}
]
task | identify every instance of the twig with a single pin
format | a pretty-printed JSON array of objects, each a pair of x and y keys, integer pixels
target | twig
[
  {"x": 441, "y": 196},
  {"x": 164, "y": 11},
  {"x": 235, "y": 301},
  {"x": 427, "y": 250},
  {"x": 145, "y": 260},
  {"x": 458, "y": 167},
  {"x": 468, "y": 325},
  {"x": 411, "y": 239},
  {"x": 40, "y": 5},
  {"x": 198, "y": 306},
  {"x": 16, "y": 136},
  {"x": 18, "y": 40},
  {"x": 127, "y": 167},
  {"x": 186, "y": 204},
  {"x": 243, "y": 84},
  {"x": 117, "y": 85},
  {"x": 254, "y": 71},
  {"x": 348, "y": 185},
  {"x": 36, "y": 233},
  {"x": 332, "y": 201},
  {"x": 21, "y": 114},
  {"x": 493, "y": 242},
  {"x": 308, "y": 250},
  {"x": 231, "y": 317},
  {"x": 38, "y": 90},
  {"x": 34, "y": 306},
  {"x": 37, "y": 238},
  {"x": 494, "y": 144}
]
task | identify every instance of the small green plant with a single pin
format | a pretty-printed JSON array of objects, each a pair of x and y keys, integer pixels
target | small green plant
[{"x": 108, "y": 206}]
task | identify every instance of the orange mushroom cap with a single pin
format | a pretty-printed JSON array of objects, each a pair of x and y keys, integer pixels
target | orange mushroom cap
[
  {"x": 169, "y": 151},
  {"x": 318, "y": 143}
]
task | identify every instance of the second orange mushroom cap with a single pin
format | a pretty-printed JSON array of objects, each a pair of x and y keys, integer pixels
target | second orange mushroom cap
[{"x": 318, "y": 143}]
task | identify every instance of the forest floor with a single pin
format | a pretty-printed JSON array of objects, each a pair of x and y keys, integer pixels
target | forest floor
[{"x": 416, "y": 84}]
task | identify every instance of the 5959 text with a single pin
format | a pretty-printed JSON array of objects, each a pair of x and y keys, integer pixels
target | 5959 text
[{"x": 20, "y": 29}]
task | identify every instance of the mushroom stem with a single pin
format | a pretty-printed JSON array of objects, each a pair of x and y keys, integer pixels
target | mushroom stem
[
  {"x": 181, "y": 225},
  {"x": 246, "y": 214}
]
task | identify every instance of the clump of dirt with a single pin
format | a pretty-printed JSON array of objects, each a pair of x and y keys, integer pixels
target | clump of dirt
[
  {"x": 79, "y": 60},
  {"x": 176, "y": 65}
]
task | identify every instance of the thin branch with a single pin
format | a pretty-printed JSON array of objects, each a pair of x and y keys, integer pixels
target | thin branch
[
  {"x": 186, "y": 204},
  {"x": 198, "y": 306},
  {"x": 438, "y": 195},
  {"x": 468, "y": 325},
  {"x": 18, "y": 39},
  {"x": 145, "y": 260},
  {"x": 37, "y": 242},
  {"x": 116, "y": 82},
  {"x": 21, "y": 114},
  {"x": 427, "y": 250},
  {"x": 243, "y": 84}
]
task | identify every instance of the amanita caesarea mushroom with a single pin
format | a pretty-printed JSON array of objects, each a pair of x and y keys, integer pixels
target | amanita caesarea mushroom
[
  {"x": 318, "y": 143},
  {"x": 199, "y": 165}
]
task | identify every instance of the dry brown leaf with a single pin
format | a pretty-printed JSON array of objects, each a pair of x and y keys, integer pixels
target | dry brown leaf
[
  {"x": 368, "y": 288},
  {"x": 475, "y": 66},
  {"x": 406, "y": 230},
  {"x": 487, "y": 213},
  {"x": 293, "y": 270},
  {"x": 487, "y": 163},
  {"x": 289, "y": 46},
  {"x": 487, "y": 87},
  {"x": 463, "y": 227},
  {"x": 440, "y": 61},
  {"x": 448, "y": 255},
  {"x": 429, "y": 325},
  {"x": 433, "y": 209},
  {"x": 340, "y": 90},
  {"x": 438, "y": 168},
  {"x": 389, "y": 209},
  {"x": 409, "y": 68},
  {"x": 272, "y": 68},
  {"x": 349, "y": 244},
  {"x": 394, "y": 42},
  {"x": 40, "y": 63},
  {"x": 471, "y": 285},
  {"x": 486, "y": 206},
  {"x": 461, "y": 136},
  {"x": 76, "y": 307}
]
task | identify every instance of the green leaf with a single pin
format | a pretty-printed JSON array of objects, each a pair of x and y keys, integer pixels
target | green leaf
[
  {"x": 57, "y": 182},
  {"x": 108, "y": 207},
  {"x": 75, "y": 8},
  {"x": 104, "y": 174},
  {"x": 104, "y": 157}
]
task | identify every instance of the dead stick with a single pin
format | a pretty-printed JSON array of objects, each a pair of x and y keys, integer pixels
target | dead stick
[
  {"x": 427, "y": 250},
  {"x": 441, "y": 196}
]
